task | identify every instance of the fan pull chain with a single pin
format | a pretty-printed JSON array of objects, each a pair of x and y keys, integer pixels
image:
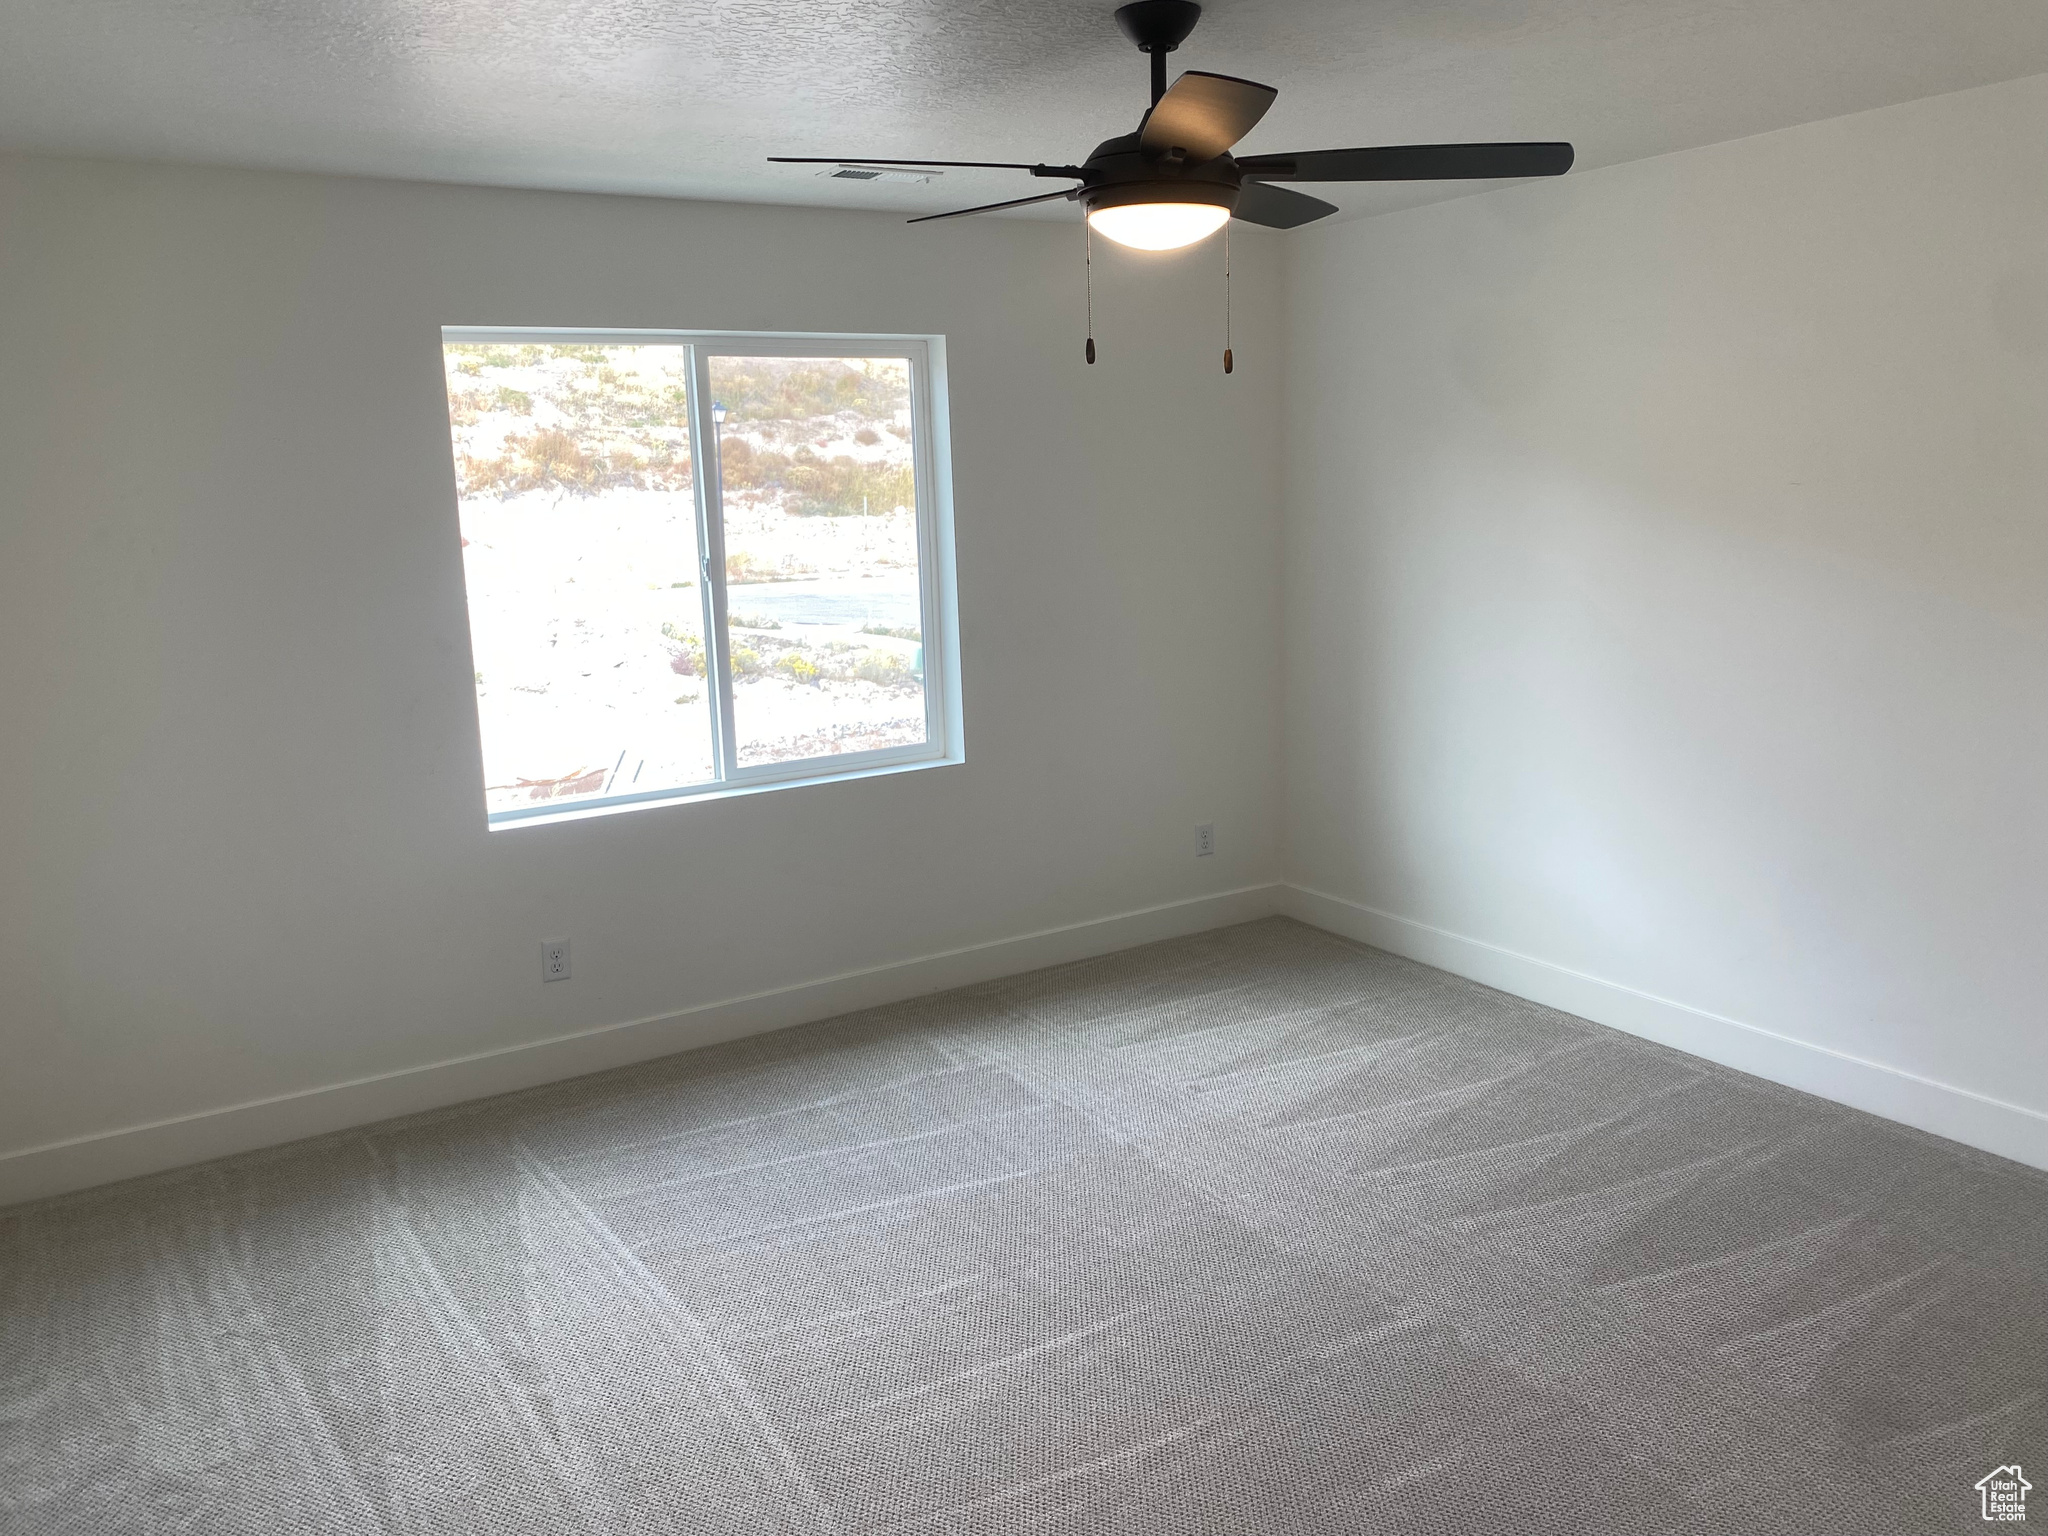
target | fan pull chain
[
  {"x": 1228, "y": 361},
  {"x": 1088, "y": 282}
]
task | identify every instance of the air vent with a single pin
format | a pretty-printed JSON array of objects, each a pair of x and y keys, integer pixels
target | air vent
[{"x": 878, "y": 173}]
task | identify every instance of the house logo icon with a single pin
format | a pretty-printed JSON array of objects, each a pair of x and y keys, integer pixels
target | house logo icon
[{"x": 2005, "y": 1495}]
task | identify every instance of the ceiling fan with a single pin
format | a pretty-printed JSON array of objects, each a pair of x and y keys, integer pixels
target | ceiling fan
[{"x": 1174, "y": 181}]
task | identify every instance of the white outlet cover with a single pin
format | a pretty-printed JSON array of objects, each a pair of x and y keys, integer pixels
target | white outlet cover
[
  {"x": 1205, "y": 839},
  {"x": 554, "y": 960}
]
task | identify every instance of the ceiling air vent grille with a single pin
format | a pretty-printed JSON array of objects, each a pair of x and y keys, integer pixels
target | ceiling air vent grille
[{"x": 877, "y": 173}]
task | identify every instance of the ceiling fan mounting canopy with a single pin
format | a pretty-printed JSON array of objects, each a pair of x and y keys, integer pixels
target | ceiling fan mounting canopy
[
  {"x": 1165, "y": 181},
  {"x": 1158, "y": 26}
]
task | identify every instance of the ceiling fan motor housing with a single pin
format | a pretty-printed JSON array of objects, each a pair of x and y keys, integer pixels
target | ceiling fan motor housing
[{"x": 1119, "y": 173}]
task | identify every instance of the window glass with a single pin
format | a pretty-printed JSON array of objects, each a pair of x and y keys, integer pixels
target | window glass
[
  {"x": 823, "y": 598},
  {"x": 580, "y": 556},
  {"x": 695, "y": 562}
]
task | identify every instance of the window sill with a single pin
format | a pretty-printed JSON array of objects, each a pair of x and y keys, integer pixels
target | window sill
[{"x": 509, "y": 821}]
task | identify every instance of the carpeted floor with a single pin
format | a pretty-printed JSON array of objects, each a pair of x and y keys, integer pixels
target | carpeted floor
[{"x": 1253, "y": 1232}]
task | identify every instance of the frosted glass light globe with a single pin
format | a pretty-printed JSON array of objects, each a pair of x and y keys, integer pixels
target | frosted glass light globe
[{"x": 1158, "y": 226}]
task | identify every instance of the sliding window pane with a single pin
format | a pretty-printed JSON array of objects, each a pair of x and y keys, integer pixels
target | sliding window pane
[
  {"x": 825, "y": 625},
  {"x": 580, "y": 556}
]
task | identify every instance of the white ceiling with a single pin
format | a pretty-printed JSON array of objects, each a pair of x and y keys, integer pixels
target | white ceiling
[{"x": 687, "y": 97}]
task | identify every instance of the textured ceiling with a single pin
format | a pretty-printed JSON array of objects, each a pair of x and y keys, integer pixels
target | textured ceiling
[{"x": 688, "y": 96}]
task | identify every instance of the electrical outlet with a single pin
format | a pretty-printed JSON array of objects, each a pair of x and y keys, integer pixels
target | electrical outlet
[
  {"x": 1205, "y": 839},
  {"x": 554, "y": 960}
]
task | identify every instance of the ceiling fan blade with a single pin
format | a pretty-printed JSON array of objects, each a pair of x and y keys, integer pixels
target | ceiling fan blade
[
  {"x": 1204, "y": 115},
  {"x": 1015, "y": 202},
  {"x": 1278, "y": 208},
  {"x": 1073, "y": 171},
  {"x": 1414, "y": 162}
]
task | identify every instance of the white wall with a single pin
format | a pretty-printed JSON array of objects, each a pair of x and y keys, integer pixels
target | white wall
[
  {"x": 242, "y": 845},
  {"x": 1666, "y": 583},
  {"x": 1667, "y": 598}
]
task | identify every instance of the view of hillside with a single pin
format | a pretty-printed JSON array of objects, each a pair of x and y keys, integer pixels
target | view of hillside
[{"x": 584, "y": 573}]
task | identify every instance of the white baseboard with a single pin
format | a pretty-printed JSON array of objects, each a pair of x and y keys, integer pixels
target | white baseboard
[
  {"x": 1993, "y": 1125},
  {"x": 83, "y": 1161},
  {"x": 2010, "y": 1130}
]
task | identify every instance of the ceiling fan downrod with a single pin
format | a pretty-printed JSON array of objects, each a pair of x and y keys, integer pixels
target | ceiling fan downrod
[{"x": 1158, "y": 27}]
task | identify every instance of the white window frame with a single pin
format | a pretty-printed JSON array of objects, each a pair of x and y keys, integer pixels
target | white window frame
[{"x": 932, "y": 481}]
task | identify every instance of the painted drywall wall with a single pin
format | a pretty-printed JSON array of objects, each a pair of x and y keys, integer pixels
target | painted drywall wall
[
  {"x": 1667, "y": 584},
  {"x": 242, "y": 850}
]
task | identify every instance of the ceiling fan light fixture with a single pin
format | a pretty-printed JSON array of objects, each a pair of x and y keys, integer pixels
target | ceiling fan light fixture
[
  {"x": 1177, "y": 179},
  {"x": 1159, "y": 226}
]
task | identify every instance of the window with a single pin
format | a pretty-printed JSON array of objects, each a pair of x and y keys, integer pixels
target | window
[{"x": 698, "y": 564}]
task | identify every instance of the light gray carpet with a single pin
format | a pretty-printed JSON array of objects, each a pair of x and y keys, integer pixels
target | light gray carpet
[{"x": 1254, "y": 1232}]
